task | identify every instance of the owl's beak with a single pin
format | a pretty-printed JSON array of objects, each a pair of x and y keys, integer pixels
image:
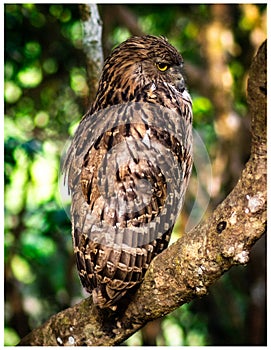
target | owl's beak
[{"x": 180, "y": 84}]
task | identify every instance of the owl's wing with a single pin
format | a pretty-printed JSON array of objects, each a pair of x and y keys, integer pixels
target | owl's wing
[{"x": 127, "y": 170}]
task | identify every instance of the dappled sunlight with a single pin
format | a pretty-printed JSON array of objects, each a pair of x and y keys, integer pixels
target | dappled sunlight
[{"x": 46, "y": 93}]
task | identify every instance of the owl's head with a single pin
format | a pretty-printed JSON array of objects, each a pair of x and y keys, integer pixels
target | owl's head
[{"x": 136, "y": 63}]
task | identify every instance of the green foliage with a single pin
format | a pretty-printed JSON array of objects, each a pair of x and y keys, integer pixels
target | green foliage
[
  {"x": 46, "y": 94},
  {"x": 11, "y": 337},
  {"x": 182, "y": 327},
  {"x": 44, "y": 86}
]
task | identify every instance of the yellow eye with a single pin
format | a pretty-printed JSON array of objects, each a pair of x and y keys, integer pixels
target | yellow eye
[{"x": 162, "y": 66}]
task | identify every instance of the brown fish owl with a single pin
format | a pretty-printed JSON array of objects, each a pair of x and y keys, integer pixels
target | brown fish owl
[{"x": 128, "y": 167}]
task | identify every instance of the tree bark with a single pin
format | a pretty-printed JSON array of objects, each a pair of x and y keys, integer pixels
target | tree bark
[
  {"x": 92, "y": 39},
  {"x": 188, "y": 267}
]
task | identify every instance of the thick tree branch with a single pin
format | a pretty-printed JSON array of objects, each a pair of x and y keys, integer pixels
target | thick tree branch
[{"x": 188, "y": 267}]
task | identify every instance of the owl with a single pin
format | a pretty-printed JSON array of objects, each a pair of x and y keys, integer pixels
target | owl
[{"x": 128, "y": 166}]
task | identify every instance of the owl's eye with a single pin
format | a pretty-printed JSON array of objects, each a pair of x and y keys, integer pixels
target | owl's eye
[{"x": 162, "y": 66}]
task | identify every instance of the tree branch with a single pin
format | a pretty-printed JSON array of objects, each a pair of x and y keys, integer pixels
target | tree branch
[
  {"x": 188, "y": 267},
  {"x": 92, "y": 38}
]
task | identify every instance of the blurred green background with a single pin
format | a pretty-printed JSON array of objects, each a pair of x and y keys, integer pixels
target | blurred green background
[{"x": 46, "y": 94}]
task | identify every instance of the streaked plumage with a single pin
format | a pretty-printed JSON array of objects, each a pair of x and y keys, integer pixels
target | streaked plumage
[{"x": 128, "y": 166}]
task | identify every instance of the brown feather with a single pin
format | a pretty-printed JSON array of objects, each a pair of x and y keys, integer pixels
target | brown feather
[{"x": 128, "y": 167}]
